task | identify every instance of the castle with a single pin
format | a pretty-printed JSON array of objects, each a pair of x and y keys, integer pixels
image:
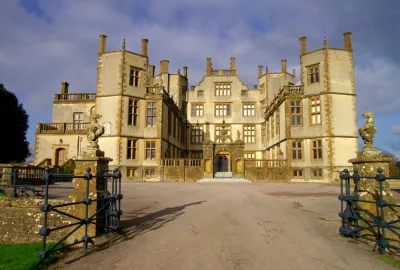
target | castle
[{"x": 311, "y": 124}]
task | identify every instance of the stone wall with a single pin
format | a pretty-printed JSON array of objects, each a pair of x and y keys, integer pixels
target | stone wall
[
  {"x": 21, "y": 219},
  {"x": 259, "y": 174},
  {"x": 182, "y": 174}
]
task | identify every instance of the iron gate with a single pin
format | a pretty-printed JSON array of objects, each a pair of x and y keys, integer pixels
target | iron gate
[{"x": 106, "y": 216}]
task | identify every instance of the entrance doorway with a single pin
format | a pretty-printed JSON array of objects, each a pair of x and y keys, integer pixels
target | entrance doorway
[
  {"x": 61, "y": 156},
  {"x": 222, "y": 165}
]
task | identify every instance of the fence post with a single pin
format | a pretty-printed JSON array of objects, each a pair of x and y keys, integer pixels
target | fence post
[{"x": 14, "y": 175}]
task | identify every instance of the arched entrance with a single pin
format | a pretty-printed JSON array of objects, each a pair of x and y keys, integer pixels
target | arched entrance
[
  {"x": 222, "y": 165},
  {"x": 61, "y": 156}
]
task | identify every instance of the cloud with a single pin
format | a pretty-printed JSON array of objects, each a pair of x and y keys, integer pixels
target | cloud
[{"x": 45, "y": 42}]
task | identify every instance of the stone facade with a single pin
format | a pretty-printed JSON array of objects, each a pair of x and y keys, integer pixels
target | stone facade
[{"x": 150, "y": 117}]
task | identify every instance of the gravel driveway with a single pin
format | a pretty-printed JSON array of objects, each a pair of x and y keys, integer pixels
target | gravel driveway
[{"x": 228, "y": 226}]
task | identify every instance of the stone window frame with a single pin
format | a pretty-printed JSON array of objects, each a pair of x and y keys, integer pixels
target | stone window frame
[
  {"x": 252, "y": 136},
  {"x": 150, "y": 148},
  {"x": 200, "y": 91},
  {"x": 313, "y": 73},
  {"x": 195, "y": 153},
  {"x": 296, "y": 150},
  {"x": 218, "y": 91},
  {"x": 134, "y": 76},
  {"x": 133, "y": 118},
  {"x": 298, "y": 173},
  {"x": 244, "y": 93},
  {"x": 263, "y": 134},
  {"x": 294, "y": 113},
  {"x": 131, "y": 172},
  {"x": 318, "y": 104},
  {"x": 273, "y": 125},
  {"x": 277, "y": 121},
  {"x": 251, "y": 109},
  {"x": 131, "y": 149},
  {"x": 314, "y": 170},
  {"x": 316, "y": 149},
  {"x": 246, "y": 153},
  {"x": 196, "y": 134},
  {"x": 77, "y": 121},
  {"x": 153, "y": 115},
  {"x": 197, "y": 107},
  {"x": 226, "y": 112},
  {"x": 149, "y": 172}
]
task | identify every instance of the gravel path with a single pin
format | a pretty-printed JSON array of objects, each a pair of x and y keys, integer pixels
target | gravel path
[{"x": 228, "y": 226}]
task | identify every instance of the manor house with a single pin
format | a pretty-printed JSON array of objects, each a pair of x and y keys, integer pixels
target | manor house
[{"x": 151, "y": 120}]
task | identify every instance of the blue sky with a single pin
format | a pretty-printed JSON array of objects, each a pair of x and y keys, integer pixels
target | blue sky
[{"x": 44, "y": 42}]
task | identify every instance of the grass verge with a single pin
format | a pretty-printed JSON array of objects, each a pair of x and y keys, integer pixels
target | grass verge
[
  {"x": 389, "y": 260},
  {"x": 3, "y": 194},
  {"x": 24, "y": 256}
]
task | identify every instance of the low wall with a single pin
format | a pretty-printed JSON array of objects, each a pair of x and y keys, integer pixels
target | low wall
[
  {"x": 21, "y": 219},
  {"x": 182, "y": 174},
  {"x": 280, "y": 174}
]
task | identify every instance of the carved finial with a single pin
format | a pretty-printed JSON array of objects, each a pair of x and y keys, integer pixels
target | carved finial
[
  {"x": 266, "y": 69},
  {"x": 238, "y": 135},
  {"x": 367, "y": 133},
  {"x": 94, "y": 131},
  {"x": 294, "y": 72},
  {"x": 123, "y": 45},
  {"x": 325, "y": 43},
  {"x": 179, "y": 71}
]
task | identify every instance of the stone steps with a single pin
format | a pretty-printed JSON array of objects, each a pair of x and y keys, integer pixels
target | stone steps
[
  {"x": 223, "y": 175},
  {"x": 224, "y": 180}
]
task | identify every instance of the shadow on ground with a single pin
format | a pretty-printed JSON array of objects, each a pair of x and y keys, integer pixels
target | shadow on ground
[{"x": 136, "y": 226}]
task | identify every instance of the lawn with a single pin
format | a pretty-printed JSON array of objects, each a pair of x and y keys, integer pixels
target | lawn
[{"x": 24, "y": 256}]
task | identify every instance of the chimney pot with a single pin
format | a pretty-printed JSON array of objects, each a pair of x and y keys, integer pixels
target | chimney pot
[
  {"x": 260, "y": 67},
  {"x": 185, "y": 71},
  {"x": 283, "y": 61},
  {"x": 144, "y": 46},
  {"x": 347, "y": 41},
  {"x": 102, "y": 47},
  {"x": 64, "y": 87},
  {"x": 164, "y": 66},
  {"x": 209, "y": 67},
  {"x": 303, "y": 45},
  {"x": 151, "y": 71}
]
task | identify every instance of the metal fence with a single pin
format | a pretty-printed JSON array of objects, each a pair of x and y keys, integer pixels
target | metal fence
[
  {"x": 107, "y": 215},
  {"x": 357, "y": 222}
]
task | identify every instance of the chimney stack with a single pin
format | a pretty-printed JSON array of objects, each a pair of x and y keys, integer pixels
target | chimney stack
[
  {"x": 151, "y": 71},
  {"x": 64, "y": 87},
  {"x": 260, "y": 67},
  {"x": 233, "y": 65},
  {"x": 102, "y": 47},
  {"x": 185, "y": 70},
  {"x": 284, "y": 70},
  {"x": 347, "y": 41},
  {"x": 164, "y": 66},
  {"x": 303, "y": 45},
  {"x": 144, "y": 46},
  {"x": 209, "y": 67}
]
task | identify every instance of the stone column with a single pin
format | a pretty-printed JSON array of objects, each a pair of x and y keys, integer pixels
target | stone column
[
  {"x": 367, "y": 163},
  {"x": 99, "y": 166}
]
